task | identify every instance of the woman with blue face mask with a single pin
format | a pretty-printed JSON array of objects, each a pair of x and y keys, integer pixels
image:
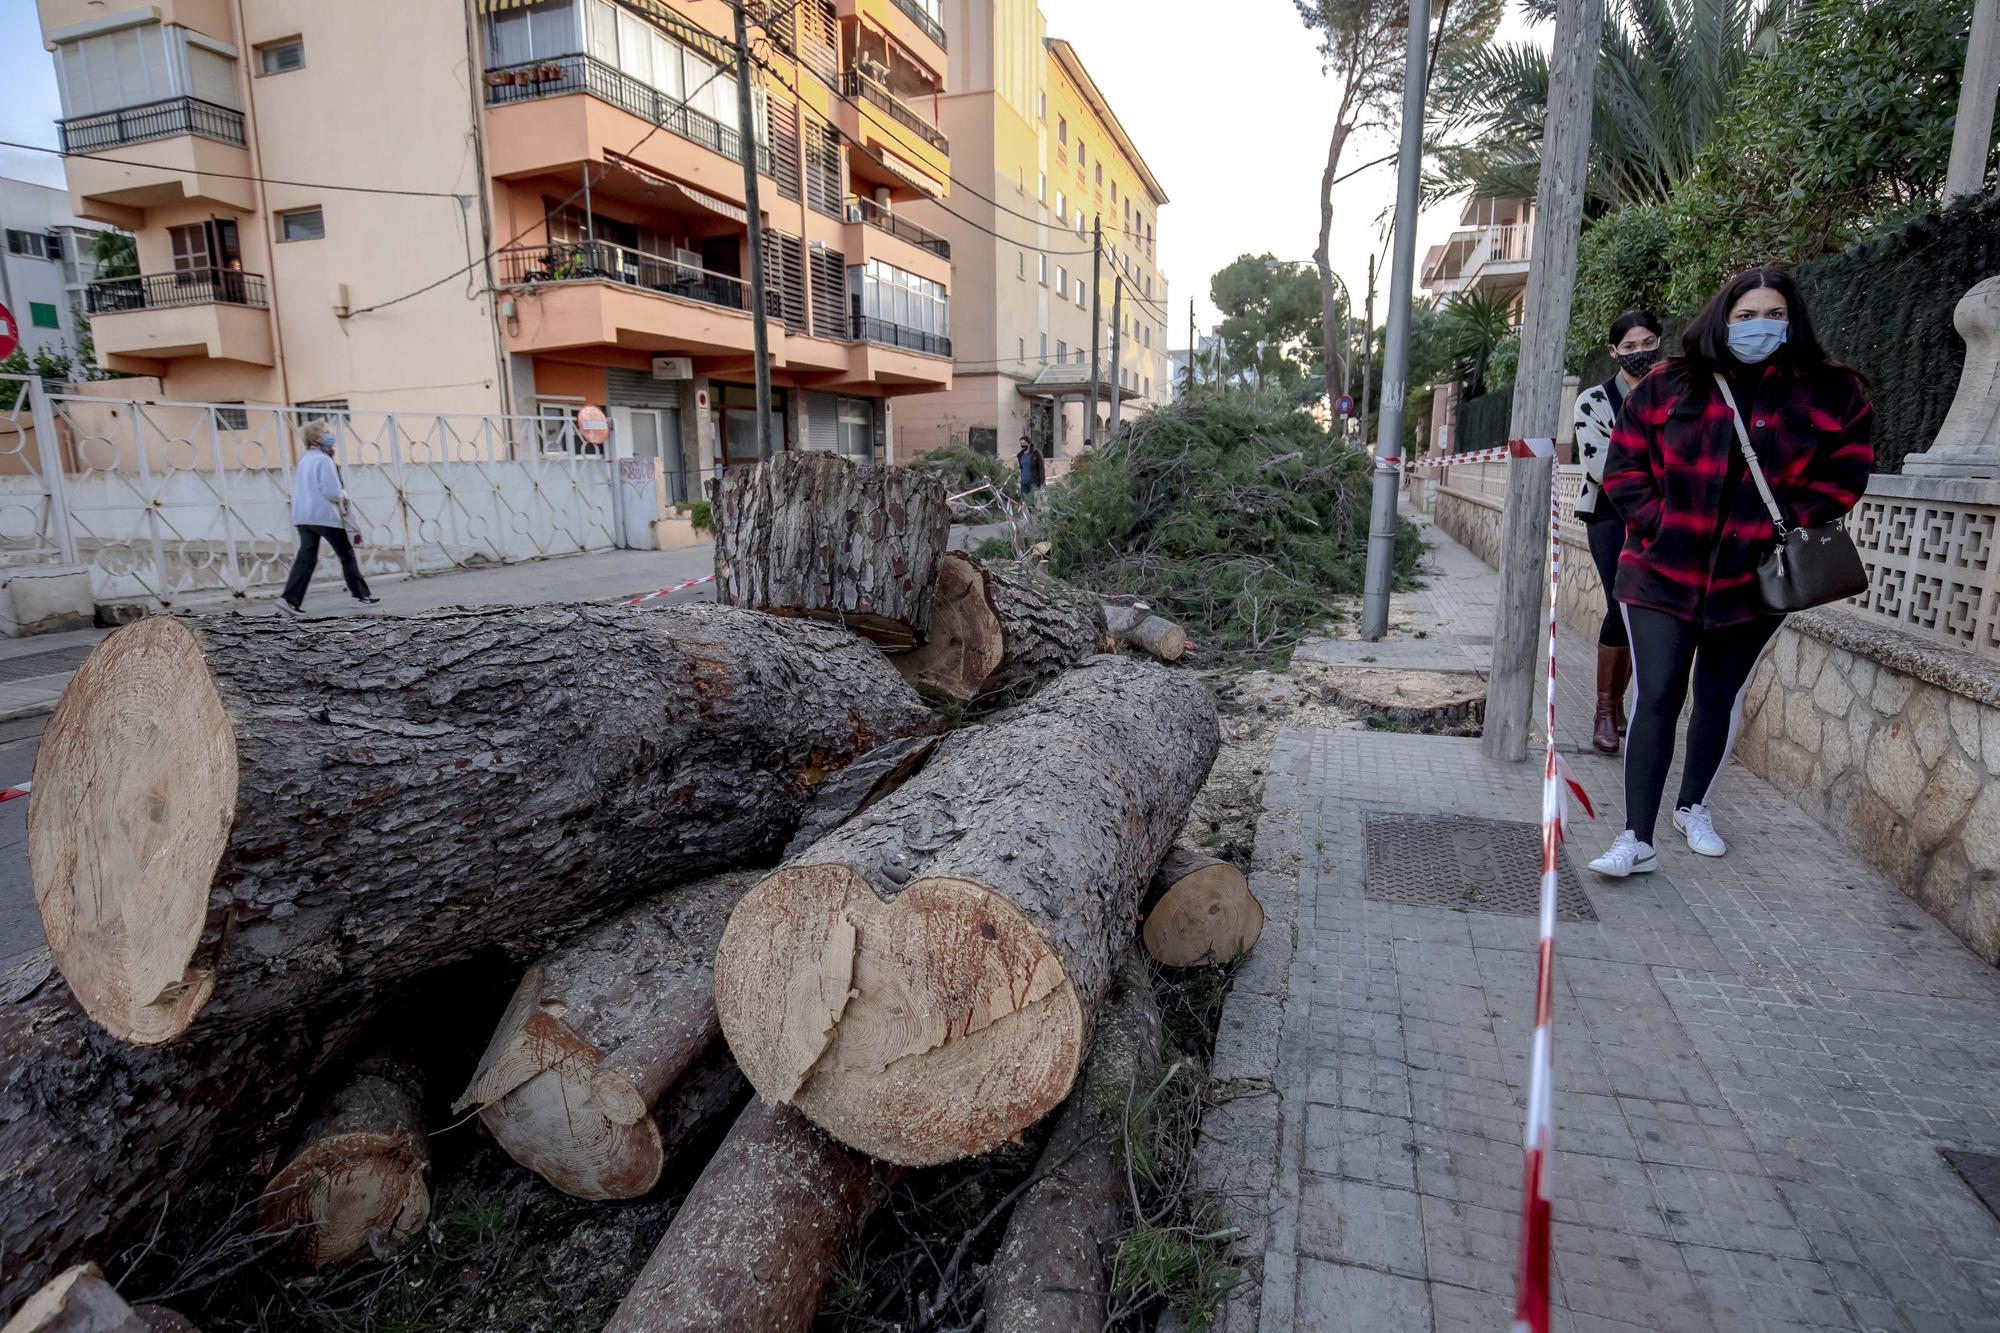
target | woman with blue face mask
[{"x": 1695, "y": 528}]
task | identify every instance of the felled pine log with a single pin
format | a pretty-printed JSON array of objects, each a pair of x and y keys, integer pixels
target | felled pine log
[
  {"x": 1000, "y": 630},
  {"x": 752, "y": 1247},
  {"x": 1052, "y": 1273},
  {"x": 358, "y": 1183},
  {"x": 236, "y": 816},
  {"x": 595, "y": 1043},
  {"x": 811, "y": 534},
  {"x": 922, "y": 981},
  {"x": 1138, "y": 628},
  {"x": 1199, "y": 909},
  {"x": 81, "y": 1301}
]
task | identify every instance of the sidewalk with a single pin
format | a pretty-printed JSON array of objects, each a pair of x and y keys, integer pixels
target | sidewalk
[{"x": 1760, "y": 1060}]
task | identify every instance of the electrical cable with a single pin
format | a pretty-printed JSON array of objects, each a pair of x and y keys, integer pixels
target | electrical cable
[{"x": 236, "y": 176}]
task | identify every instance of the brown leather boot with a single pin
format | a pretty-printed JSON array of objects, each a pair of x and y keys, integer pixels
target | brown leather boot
[
  {"x": 1610, "y": 704},
  {"x": 1623, "y": 686}
]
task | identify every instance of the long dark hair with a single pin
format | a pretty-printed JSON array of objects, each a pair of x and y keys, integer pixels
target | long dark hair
[
  {"x": 1634, "y": 318},
  {"x": 1705, "y": 341}
]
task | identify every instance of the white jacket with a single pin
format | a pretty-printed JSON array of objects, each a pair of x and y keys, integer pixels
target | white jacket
[
  {"x": 316, "y": 492},
  {"x": 1595, "y": 418}
]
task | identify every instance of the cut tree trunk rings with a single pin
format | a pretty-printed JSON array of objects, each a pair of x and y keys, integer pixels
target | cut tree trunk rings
[
  {"x": 81, "y": 1301},
  {"x": 1199, "y": 910},
  {"x": 358, "y": 1185}
]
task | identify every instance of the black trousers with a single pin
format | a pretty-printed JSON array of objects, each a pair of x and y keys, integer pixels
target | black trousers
[
  {"x": 1668, "y": 653},
  {"x": 310, "y": 537},
  {"x": 1607, "y": 539}
]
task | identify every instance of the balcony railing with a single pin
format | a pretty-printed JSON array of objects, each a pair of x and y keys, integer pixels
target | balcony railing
[
  {"x": 932, "y": 28},
  {"x": 895, "y": 335},
  {"x": 189, "y": 286},
  {"x": 899, "y": 111},
  {"x": 603, "y": 261},
  {"x": 1508, "y": 244},
  {"x": 154, "y": 120},
  {"x": 902, "y": 228},
  {"x": 607, "y": 83}
]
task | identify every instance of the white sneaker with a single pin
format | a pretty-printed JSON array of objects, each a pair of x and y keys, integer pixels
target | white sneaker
[
  {"x": 285, "y": 608},
  {"x": 370, "y": 600},
  {"x": 1699, "y": 827},
  {"x": 1626, "y": 856}
]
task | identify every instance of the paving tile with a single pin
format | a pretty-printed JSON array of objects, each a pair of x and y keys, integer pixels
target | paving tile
[{"x": 1339, "y": 1298}]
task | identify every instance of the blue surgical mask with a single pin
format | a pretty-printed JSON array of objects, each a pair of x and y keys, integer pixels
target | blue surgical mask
[{"x": 1753, "y": 340}]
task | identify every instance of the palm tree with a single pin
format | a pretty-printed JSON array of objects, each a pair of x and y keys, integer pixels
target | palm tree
[
  {"x": 1663, "y": 81},
  {"x": 1474, "y": 326},
  {"x": 115, "y": 254}
]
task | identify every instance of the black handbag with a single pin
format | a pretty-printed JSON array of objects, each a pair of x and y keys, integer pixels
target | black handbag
[{"x": 1808, "y": 566}]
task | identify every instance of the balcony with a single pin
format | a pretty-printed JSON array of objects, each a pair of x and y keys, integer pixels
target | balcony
[
  {"x": 895, "y": 224},
  {"x": 218, "y": 314},
  {"x": 177, "y": 151},
  {"x": 154, "y": 120},
  {"x": 1476, "y": 258},
  {"x": 593, "y": 293},
  {"x": 587, "y": 74},
  {"x": 869, "y": 90},
  {"x": 930, "y": 27},
  {"x": 909, "y": 22},
  {"x": 895, "y": 335}
]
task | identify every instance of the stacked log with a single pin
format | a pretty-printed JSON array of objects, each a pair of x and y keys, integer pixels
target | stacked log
[
  {"x": 811, "y": 534},
  {"x": 1137, "y": 627},
  {"x": 358, "y": 1184},
  {"x": 81, "y": 1301},
  {"x": 1199, "y": 909},
  {"x": 1001, "y": 630},
  {"x": 237, "y": 817},
  {"x": 921, "y": 982}
]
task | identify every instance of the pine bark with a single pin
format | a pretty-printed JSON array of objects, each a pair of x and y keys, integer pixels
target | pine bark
[
  {"x": 81, "y": 1301},
  {"x": 921, "y": 982},
  {"x": 1001, "y": 630},
  {"x": 358, "y": 1183},
  {"x": 1052, "y": 1271},
  {"x": 235, "y": 817},
  {"x": 752, "y": 1247},
  {"x": 811, "y": 534},
  {"x": 1199, "y": 910}
]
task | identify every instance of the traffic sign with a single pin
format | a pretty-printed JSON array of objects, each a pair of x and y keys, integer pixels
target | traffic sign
[
  {"x": 1344, "y": 405},
  {"x": 10, "y": 332},
  {"x": 593, "y": 425}
]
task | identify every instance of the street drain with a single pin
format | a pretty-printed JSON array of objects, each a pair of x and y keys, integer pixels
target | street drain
[{"x": 1484, "y": 865}]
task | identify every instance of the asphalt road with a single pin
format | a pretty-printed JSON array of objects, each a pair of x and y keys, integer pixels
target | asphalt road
[{"x": 20, "y": 926}]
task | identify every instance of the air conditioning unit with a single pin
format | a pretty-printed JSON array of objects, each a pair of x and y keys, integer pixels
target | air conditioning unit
[
  {"x": 854, "y": 211},
  {"x": 689, "y": 260}
]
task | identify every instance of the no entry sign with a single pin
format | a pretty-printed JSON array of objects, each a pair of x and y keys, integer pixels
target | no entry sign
[
  {"x": 10, "y": 332},
  {"x": 593, "y": 425},
  {"x": 1344, "y": 405}
]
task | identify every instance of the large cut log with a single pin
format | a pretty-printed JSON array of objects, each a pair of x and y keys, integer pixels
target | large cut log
[
  {"x": 811, "y": 534},
  {"x": 98, "y": 1135},
  {"x": 1199, "y": 909},
  {"x": 753, "y": 1245},
  {"x": 236, "y": 816},
  {"x": 81, "y": 1301},
  {"x": 1000, "y": 630},
  {"x": 922, "y": 981},
  {"x": 597, "y": 1037},
  {"x": 862, "y": 783},
  {"x": 358, "y": 1184},
  {"x": 1136, "y": 627},
  {"x": 1051, "y": 1274}
]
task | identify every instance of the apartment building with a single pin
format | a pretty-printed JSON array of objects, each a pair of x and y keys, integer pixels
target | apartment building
[
  {"x": 1490, "y": 252},
  {"x": 47, "y": 261},
  {"x": 1044, "y": 158},
  {"x": 517, "y": 207}
]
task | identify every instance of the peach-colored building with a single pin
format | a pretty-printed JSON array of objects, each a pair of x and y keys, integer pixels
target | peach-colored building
[
  {"x": 1490, "y": 252},
  {"x": 517, "y": 207}
]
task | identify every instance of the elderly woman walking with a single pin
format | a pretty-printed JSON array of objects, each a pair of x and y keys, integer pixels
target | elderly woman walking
[{"x": 319, "y": 509}]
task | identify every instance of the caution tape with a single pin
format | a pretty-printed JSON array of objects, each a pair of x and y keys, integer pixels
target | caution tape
[
  {"x": 1532, "y": 448},
  {"x": 11, "y": 793},
  {"x": 668, "y": 592}
]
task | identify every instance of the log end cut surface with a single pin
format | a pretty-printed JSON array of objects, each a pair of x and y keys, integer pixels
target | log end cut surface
[
  {"x": 1205, "y": 914},
  {"x": 575, "y": 1127},
  {"x": 965, "y": 645},
  {"x": 920, "y": 1030},
  {"x": 135, "y": 793}
]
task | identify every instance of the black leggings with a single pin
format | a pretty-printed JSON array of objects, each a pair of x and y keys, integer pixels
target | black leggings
[
  {"x": 1607, "y": 539},
  {"x": 308, "y": 558},
  {"x": 1665, "y": 651}
]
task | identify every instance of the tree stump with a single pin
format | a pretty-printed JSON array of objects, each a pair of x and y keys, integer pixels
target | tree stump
[
  {"x": 810, "y": 534},
  {"x": 358, "y": 1184},
  {"x": 1001, "y": 630},
  {"x": 237, "y": 816},
  {"x": 921, "y": 982},
  {"x": 1199, "y": 909}
]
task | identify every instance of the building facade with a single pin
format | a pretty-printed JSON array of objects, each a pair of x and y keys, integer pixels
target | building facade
[
  {"x": 1490, "y": 252},
  {"x": 518, "y": 207},
  {"x": 1045, "y": 159},
  {"x": 46, "y": 263}
]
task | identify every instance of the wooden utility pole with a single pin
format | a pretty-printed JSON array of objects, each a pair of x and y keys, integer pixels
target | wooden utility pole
[
  {"x": 1191, "y": 347},
  {"x": 1096, "y": 325},
  {"x": 1972, "y": 133},
  {"x": 746, "y": 153},
  {"x": 1117, "y": 338},
  {"x": 1518, "y": 675}
]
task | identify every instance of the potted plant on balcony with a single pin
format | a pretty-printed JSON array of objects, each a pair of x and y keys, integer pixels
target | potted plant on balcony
[
  {"x": 498, "y": 78},
  {"x": 548, "y": 73}
]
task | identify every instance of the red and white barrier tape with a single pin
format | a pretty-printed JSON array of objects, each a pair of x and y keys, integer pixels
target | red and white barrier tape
[
  {"x": 1510, "y": 450},
  {"x": 668, "y": 592},
  {"x": 10, "y": 793}
]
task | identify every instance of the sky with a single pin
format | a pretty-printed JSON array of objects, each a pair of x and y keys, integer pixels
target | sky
[{"x": 29, "y": 110}]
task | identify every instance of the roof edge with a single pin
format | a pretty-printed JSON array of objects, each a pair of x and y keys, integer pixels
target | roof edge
[{"x": 1067, "y": 57}]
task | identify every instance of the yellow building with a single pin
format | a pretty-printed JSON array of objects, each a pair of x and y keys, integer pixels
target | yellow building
[
  {"x": 516, "y": 206},
  {"x": 1041, "y": 158}
]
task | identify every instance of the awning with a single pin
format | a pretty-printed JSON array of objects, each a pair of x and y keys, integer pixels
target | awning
[
  {"x": 686, "y": 194},
  {"x": 911, "y": 175}
]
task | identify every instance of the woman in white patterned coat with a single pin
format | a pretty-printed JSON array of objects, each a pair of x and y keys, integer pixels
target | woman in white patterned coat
[{"x": 1635, "y": 345}]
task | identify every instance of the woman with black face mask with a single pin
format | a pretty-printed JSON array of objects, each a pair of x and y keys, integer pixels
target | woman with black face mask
[
  {"x": 1696, "y": 526},
  {"x": 1635, "y": 345}
]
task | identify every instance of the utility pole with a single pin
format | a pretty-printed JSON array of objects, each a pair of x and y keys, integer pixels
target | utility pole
[
  {"x": 1972, "y": 133},
  {"x": 1117, "y": 338},
  {"x": 1191, "y": 346},
  {"x": 1518, "y": 676},
  {"x": 1096, "y": 318},
  {"x": 1396, "y": 354},
  {"x": 1368, "y": 352},
  {"x": 746, "y": 152}
]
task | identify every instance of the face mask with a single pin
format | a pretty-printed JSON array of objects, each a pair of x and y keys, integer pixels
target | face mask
[
  {"x": 1753, "y": 340},
  {"x": 1636, "y": 364}
]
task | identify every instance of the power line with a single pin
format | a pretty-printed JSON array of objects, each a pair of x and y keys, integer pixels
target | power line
[{"x": 235, "y": 176}]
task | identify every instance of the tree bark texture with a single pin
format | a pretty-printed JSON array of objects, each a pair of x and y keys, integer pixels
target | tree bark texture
[
  {"x": 1199, "y": 910},
  {"x": 753, "y": 1245},
  {"x": 1154, "y": 635},
  {"x": 237, "y": 816},
  {"x": 599, "y": 1034},
  {"x": 922, "y": 981},
  {"x": 358, "y": 1183},
  {"x": 1052, "y": 1271},
  {"x": 859, "y": 785},
  {"x": 811, "y": 534},
  {"x": 1003, "y": 629},
  {"x": 81, "y": 1301},
  {"x": 98, "y": 1135}
]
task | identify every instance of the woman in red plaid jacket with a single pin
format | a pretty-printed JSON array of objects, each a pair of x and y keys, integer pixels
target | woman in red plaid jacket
[{"x": 1695, "y": 530}]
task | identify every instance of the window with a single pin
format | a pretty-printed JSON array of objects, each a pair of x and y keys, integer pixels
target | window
[
  {"x": 206, "y": 245},
  {"x": 281, "y": 57},
  {"x": 1079, "y": 291},
  {"x": 329, "y": 410},
  {"x": 1021, "y": 350},
  {"x": 1149, "y": 284},
  {"x": 1020, "y": 180},
  {"x": 1045, "y": 349},
  {"x": 1021, "y": 265},
  {"x": 1062, "y": 351},
  {"x": 1081, "y": 153},
  {"x": 302, "y": 224},
  {"x": 1062, "y": 129},
  {"x": 1114, "y": 189},
  {"x": 519, "y": 34},
  {"x": 1100, "y": 175},
  {"x": 1043, "y": 112},
  {"x": 886, "y": 293},
  {"x": 33, "y": 244},
  {"x": 1042, "y": 269},
  {"x": 1149, "y": 386},
  {"x": 857, "y": 427},
  {"x": 1042, "y": 186},
  {"x": 1079, "y": 222},
  {"x": 1062, "y": 206},
  {"x": 232, "y": 417},
  {"x": 43, "y": 315},
  {"x": 1062, "y": 280}
]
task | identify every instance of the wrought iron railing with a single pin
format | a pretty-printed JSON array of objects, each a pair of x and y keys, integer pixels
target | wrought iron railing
[
  {"x": 902, "y": 228},
  {"x": 899, "y": 111},
  {"x": 866, "y": 329},
  {"x": 587, "y": 74},
  {"x": 153, "y": 120},
  {"x": 188, "y": 286},
  {"x": 603, "y": 261},
  {"x": 932, "y": 28}
]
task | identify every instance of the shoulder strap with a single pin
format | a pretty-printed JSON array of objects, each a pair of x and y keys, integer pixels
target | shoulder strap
[{"x": 1750, "y": 456}]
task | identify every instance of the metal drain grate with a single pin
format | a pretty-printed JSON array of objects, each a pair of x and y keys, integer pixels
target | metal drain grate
[
  {"x": 1486, "y": 865},
  {"x": 1981, "y": 1171}
]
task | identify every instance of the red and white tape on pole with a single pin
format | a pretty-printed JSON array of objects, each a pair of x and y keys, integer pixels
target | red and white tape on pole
[
  {"x": 10, "y": 793},
  {"x": 1510, "y": 450},
  {"x": 668, "y": 592}
]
